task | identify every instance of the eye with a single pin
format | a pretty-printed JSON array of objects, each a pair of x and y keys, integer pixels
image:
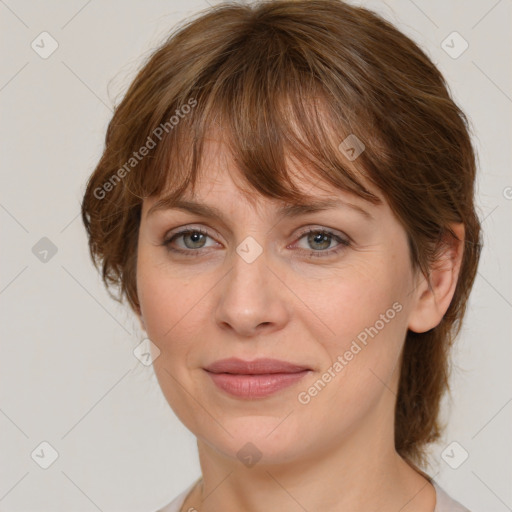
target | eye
[
  {"x": 193, "y": 239},
  {"x": 320, "y": 240}
]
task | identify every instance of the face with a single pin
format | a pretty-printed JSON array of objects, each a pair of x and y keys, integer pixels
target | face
[{"x": 254, "y": 284}]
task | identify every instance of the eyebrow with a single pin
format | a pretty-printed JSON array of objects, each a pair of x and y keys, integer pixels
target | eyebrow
[{"x": 285, "y": 211}]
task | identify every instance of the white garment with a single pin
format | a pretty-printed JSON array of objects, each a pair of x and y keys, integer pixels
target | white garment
[{"x": 443, "y": 501}]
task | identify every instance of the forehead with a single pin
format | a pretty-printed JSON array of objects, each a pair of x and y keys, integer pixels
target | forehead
[
  {"x": 218, "y": 198},
  {"x": 220, "y": 181}
]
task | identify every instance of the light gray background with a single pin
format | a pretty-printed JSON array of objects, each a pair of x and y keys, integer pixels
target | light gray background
[{"x": 68, "y": 374}]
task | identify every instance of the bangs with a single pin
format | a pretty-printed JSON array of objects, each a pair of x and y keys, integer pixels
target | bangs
[{"x": 272, "y": 115}]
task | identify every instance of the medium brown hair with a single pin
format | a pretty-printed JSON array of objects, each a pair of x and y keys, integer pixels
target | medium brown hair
[{"x": 282, "y": 80}]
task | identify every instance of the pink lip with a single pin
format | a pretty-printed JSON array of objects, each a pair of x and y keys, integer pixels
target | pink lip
[
  {"x": 254, "y": 379},
  {"x": 255, "y": 367}
]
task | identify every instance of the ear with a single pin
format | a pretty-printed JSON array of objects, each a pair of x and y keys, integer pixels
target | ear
[{"x": 433, "y": 298}]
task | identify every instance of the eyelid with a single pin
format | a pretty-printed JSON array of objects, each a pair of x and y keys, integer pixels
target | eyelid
[
  {"x": 211, "y": 232},
  {"x": 318, "y": 227}
]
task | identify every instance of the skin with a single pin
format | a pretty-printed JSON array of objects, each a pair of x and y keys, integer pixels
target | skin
[{"x": 337, "y": 451}]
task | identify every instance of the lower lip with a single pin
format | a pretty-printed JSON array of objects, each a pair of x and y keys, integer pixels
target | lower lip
[{"x": 255, "y": 386}]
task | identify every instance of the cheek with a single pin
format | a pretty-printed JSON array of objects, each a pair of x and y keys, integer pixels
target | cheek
[
  {"x": 362, "y": 349},
  {"x": 158, "y": 296},
  {"x": 172, "y": 308},
  {"x": 363, "y": 327},
  {"x": 355, "y": 300}
]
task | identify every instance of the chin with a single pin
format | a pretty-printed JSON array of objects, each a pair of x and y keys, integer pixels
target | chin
[{"x": 256, "y": 439}]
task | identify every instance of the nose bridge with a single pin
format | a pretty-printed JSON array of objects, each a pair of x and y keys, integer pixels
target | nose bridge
[
  {"x": 250, "y": 295},
  {"x": 249, "y": 280}
]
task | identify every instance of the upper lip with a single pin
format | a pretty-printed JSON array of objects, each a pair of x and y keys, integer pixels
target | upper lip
[{"x": 255, "y": 367}]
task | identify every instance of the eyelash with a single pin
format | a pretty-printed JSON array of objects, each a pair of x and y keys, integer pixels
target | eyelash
[{"x": 343, "y": 243}]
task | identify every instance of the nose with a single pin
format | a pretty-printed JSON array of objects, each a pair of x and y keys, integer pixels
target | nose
[{"x": 253, "y": 299}]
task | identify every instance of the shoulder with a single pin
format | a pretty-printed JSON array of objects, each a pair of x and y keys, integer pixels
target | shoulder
[
  {"x": 177, "y": 502},
  {"x": 445, "y": 503}
]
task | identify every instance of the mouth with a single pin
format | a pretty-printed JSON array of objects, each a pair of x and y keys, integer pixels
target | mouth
[{"x": 255, "y": 379}]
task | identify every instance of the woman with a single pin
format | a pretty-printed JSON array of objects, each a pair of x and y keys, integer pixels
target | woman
[{"x": 286, "y": 201}]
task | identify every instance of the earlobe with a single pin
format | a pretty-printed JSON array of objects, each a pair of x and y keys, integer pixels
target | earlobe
[{"x": 434, "y": 295}]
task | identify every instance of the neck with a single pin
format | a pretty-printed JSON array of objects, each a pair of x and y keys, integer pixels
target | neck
[{"x": 363, "y": 472}]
